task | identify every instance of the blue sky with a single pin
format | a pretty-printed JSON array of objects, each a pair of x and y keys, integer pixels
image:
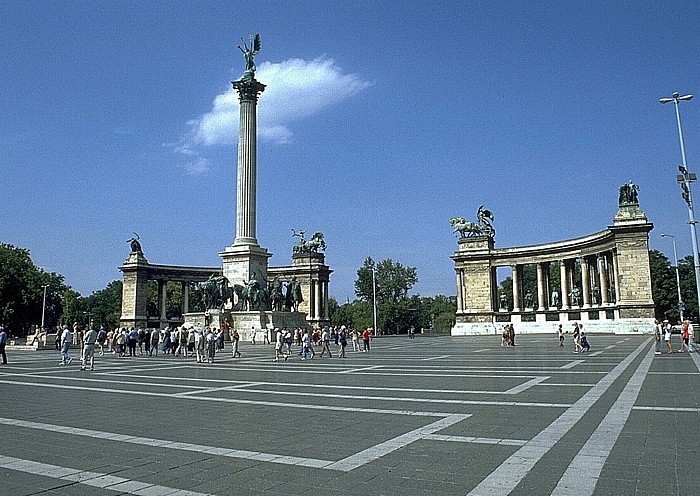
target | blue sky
[{"x": 381, "y": 120}]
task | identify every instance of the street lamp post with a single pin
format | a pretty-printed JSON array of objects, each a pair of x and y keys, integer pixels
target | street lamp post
[
  {"x": 374, "y": 300},
  {"x": 685, "y": 178},
  {"x": 43, "y": 306},
  {"x": 681, "y": 305}
]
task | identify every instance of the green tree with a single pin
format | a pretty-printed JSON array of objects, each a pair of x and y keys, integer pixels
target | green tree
[
  {"x": 689, "y": 292},
  {"x": 22, "y": 291},
  {"x": 663, "y": 286},
  {"x": 104, "y": 306},
  {"x": 393, "y": 280}
]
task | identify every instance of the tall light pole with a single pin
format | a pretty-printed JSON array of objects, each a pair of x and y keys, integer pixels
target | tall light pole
[
  {"x": 681, "y": 305},
  {"x": 43, "y": 306},
  {"x": 374, "y": 300},
  {"x": 685, "y": 178}
]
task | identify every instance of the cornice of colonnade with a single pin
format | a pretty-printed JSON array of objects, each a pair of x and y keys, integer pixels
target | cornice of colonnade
[
  {"x": 171, "y": 272},
  {"x": 592, "y": 244}
]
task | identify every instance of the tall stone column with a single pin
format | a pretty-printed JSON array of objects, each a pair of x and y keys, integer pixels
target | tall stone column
[
  {"x": 564, "y": 285},
  {"x": 516, "y": 288},
  {"x": 185, "y": 297},
  {"x": 162, "y": 299},
  {"x": 585, "y": 283},
  {"x": 326, "y": 312},
  {"x": 460, "y": 290},
  {"x": 245, "y": 257},
  {"x": 541, "y": 295},
  {"x": 317, "y": 306},
  {"x": 602, "y": 270}
]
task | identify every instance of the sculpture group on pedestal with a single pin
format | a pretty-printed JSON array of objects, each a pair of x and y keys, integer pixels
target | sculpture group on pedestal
[
  {"x": 216, "y": 292},
  {"x": 482, "y": 227}
]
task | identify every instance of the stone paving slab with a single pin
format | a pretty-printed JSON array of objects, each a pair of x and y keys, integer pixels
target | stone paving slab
[{"x": 430, "y": 416}]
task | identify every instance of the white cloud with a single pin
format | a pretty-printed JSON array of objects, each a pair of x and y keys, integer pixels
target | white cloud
[
  {"x": 296, "y": 89},
  {"x": 198, "y": 166}
]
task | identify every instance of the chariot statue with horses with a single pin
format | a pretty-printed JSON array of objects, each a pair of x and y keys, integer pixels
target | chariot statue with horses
[
  {"x": 308, "y": 245},
  {"x": 482, "y": 227}
]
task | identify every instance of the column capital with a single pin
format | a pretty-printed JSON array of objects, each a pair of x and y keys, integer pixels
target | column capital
[{"x": 248, "y": 89}]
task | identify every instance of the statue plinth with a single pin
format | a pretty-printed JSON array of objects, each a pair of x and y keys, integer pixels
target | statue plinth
[{"x": 630, "y": 214}]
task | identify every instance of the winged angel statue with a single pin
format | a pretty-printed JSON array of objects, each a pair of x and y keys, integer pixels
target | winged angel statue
[{"x": 249, "y": 52}]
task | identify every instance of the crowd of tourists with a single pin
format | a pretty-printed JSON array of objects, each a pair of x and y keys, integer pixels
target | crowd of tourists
[
  {"x": 202, "y": 343},
  {"x": 663, "y": 331}
]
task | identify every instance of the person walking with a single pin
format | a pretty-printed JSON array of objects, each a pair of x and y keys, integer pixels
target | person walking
[
  {"x": 355, "y": 340},
  {"x": 584, "y": 340},
  {"x": 155, "y": 338},
  {"x": 66, "y": 340},
  {"x": 560, "y": 331},
  {"x": 325, "y": 343},
  {"x": 667, "y": 337},
  {"x": 685, "y": 336},
  {"x": 342, "y": 341},
  {"x": 279, "y": 339},
  {"x": 307, "y": 349},
  {"x": 3, "y": 344},
  {"x": 89, "y": 340},
  {"x": 366, "y": 337},
  {"x": 658, "y": 331},
  {"x": 101, "y": 339},
  {"x": 577, "y": 339},
  {"x": 234, "y": 343}
]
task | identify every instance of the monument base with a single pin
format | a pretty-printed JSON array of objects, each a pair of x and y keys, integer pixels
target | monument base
[
  {"x": 245, "y": 322},
  {"x": 617, "y": 326}
]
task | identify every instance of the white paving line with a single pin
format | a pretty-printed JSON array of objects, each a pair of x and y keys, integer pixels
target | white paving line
[
  {"x": 596, "y": 353},
  {"x": 481, "y": 350},
  {"x": 675, "y": 409},
  {"x": 571, "y": 365},
  {"x": 355, "y": 397},
  {"x": 512, "y": 471},
  {"x": 362, "y": 369},
  {"x": 375, "y": 452},
  {"x": 475, "y": 440},
  {"x": 584, "y": 470},
  {"x": 93, "y": 479},
  {"x": 435, "y": 358},
  {"x": 162, "y": 443},
  {"x": 271, "y": 403},
  {"x": 527, "y": 385}
]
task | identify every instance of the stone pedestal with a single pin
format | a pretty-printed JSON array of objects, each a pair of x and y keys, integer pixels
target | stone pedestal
[
  {"x": 134, "y": 291},
  {"x": 241, "y": 261}
]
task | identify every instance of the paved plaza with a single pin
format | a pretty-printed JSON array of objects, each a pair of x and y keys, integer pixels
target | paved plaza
[{"x": 429, "y": 416}]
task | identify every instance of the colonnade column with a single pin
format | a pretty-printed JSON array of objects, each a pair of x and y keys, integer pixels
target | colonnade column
[
  {"x": 162, "y": 294},
  {"x": 541, "y": 295},
  {"x": 602, "y": 270},
  {"x": 616, "y": 277},
  {"x": 317, "y": 303},
  {"x": 564, "y": 285},
  {"x": 185, "y": 297},
  {"x": 516, "y": 288},
  {"x": 585, "y": 283},
  {"x": 326, "y": 313},
  {"x": 460, "y": 291}
]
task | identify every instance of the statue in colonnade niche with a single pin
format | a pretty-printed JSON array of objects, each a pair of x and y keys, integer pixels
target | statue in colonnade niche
[
  {"x": 575, "y": 296},
  {"x": 528, "y": 300},
  {"x": 554, "y": 300}
]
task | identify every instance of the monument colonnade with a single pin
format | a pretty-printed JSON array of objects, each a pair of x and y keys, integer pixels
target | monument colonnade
[
  {"x": 603, "y": 279},
  {"x": 595, "y": 257}
]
